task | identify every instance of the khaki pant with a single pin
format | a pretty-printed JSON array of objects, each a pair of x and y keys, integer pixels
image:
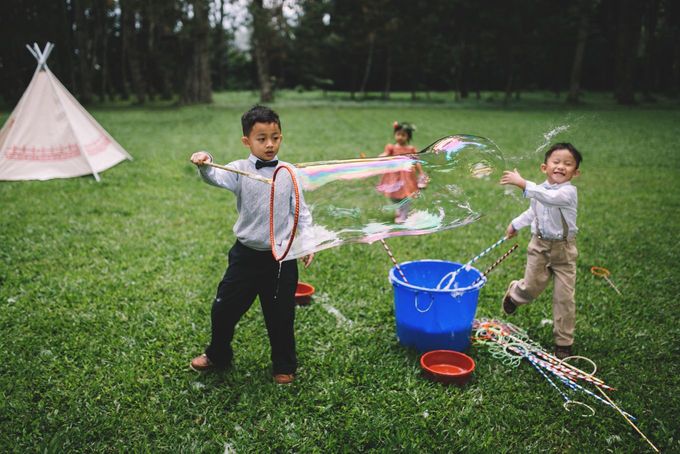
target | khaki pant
[{"x": 546, "y": 259}]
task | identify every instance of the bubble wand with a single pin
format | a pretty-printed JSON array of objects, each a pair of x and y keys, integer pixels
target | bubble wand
[
  {"x": 497, "y": 333},
  {"x": 240, "y": 172},
  {"x": 495, "y": 264},
  {"x": 389, "y": 252},
  {"x": 452, "y": 275},
  {"x": 604, "y": 272},
  {"x": 626, "y": 416}
]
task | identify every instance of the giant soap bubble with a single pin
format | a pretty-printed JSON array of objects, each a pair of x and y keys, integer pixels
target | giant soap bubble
[{"x": 446, "y": 185}]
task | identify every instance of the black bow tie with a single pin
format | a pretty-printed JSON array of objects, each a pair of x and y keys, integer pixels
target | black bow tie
[{"x": 259, "y": 164}]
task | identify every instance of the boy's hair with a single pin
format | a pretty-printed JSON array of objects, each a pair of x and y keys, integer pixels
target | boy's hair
[
  {"x": 408, "y": 128},
  {"x": 258, "y": 114},
  {"x": 564, "y": 146}
]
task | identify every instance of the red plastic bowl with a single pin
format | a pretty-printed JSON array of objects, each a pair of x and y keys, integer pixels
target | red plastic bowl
[
  {"x": 447, "y": 366},
  {"x": 303, "y": 293}
]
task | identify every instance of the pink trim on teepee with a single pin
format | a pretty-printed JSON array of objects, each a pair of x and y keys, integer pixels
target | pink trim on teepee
[{"x": 60, "y": 153}]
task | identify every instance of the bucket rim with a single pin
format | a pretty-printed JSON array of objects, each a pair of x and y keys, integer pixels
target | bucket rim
[{"x": 394, "y": 279}]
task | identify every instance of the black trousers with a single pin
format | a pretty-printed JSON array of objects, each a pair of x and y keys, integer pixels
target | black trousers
[{"x": 254, "y": 273}]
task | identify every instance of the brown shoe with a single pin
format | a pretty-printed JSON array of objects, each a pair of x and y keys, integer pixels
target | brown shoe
[
  {"x": 562, "y": 351},
  {"x": 509, "y": 306},
  {"x": 284, "y": 379},
  {"x": 201, "y": 363}
]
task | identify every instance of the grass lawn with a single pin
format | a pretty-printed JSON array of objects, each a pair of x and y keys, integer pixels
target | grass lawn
[{"x": 105, "y": 294}]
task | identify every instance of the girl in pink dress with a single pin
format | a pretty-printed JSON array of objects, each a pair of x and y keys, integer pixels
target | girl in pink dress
[{"x": 402, "y": 186}]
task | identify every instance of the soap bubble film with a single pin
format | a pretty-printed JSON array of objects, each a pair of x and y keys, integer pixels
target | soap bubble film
[{"x": 448, "y": 184}]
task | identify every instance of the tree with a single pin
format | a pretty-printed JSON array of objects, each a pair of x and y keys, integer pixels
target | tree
[
  {"x": 627, "y": 35},
  {"x": 198, "y": 87},
  {"x": 649, "y": 48},
  {"x": 584, "y": 12},
  {"x": 220, "y": 54},
  {"x": 260, "y": 45},
  {"x": 130, "y": 51}
]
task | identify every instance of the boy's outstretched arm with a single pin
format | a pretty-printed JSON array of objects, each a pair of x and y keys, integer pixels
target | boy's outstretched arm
[
  {"x": 216, "y": 177},
  {"x": 514, "y": 178}
]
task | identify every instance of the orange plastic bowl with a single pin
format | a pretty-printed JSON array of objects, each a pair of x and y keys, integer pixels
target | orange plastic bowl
[
  {"x": 303, "y": 293},
  {"x": 447, "y": 366}
]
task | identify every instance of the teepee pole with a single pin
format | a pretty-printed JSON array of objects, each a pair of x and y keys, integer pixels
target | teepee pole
[
  {"x": 83, "y": 153},
  {"x": 32, "y": 52}
]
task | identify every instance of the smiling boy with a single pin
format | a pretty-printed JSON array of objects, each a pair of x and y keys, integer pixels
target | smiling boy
[{"x": 552, "y": 250}]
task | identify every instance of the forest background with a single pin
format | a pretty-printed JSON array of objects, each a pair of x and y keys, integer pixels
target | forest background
[{"x": 184, "y": 50}]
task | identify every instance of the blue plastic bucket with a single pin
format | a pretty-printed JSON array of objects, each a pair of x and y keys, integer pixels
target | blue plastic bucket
[{"x": 430, "y": 318}]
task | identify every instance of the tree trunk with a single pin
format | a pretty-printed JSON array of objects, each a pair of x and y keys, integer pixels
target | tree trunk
[
  {"x": 508, "y": 87},
  {"x": 577, "y": 64},
  {"x": 651, "y": 20},
  {"x": 353, "y": 82},
  {"x": 158, "y": 36},
  {"x": 629, "y": 24},
  {"x": 101, "y": 47},
  {"x": 198, "y": 86},
  {"x": 674, "y": 85},
  {"x": 68, "y": 46},
  {"x": 220, "y": 47},
  {"x": 260, "y": 44},
  {"x": 84, "y": 63},
  {"x": 388, "y": 75},
  {"x": 130, "y": 50},
  {"x": 464, "y": 69},
  {"x": 369, "y": 63}
]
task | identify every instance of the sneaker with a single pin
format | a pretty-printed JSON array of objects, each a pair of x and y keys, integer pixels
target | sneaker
[
  {"x": 201, "y": 363},
  {"x": 509, "y": 306},
  {"x": 284, "y": 379},
  {"x": 562, "y": 351}
]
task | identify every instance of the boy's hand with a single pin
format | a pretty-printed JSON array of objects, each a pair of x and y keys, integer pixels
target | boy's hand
[
  {"x": 200, "y": 158},
  {"x": 510, "y": 231},
  {"x": 423, "y": 180},
  {"x": 307, "y": 259},
  {"x": 513, "y": 177}
]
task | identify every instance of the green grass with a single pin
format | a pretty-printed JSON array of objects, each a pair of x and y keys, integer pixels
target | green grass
[{"x": 105, "y": 293}]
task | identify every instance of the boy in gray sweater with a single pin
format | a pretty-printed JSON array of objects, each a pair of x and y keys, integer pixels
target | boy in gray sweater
[{"x": 252, "y": 269}]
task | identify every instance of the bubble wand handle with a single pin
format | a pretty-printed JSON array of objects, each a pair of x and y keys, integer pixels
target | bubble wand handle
[
  {"x": 604, "y": 273},
  {"x": 474, "y": 259},
  {"x": 612, "y": 284},
  {"x": 389, "y": 252},
  {"x": 627, "y": 418},
  {"x": 495, "y": 264},
  {"x": 240, "y": 172}
]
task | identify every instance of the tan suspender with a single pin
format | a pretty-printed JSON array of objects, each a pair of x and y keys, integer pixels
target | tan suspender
[{"x": 565, "y": 226}]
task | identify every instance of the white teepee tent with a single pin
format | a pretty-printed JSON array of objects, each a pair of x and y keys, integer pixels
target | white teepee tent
[{"x": 50, "y": 135}]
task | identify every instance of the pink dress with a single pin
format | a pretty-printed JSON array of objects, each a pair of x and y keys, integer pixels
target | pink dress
[{"x": 402, "y": 184}]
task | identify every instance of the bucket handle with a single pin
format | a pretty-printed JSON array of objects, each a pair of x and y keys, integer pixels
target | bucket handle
[
  {"x": 450, "y": 276},
  {"x": 428, "y": 307}
]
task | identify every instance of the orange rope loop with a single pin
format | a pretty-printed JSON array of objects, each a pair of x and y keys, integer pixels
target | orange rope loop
[{"x": 296, "y": 215}]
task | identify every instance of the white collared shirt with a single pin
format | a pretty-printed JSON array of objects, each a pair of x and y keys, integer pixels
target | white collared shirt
[
  {"x": 252, "y": 202},
  {"x": 548, "y": 204}
]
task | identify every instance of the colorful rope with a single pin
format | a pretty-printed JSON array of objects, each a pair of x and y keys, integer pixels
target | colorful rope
[{"x": 296, "y": 214}]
